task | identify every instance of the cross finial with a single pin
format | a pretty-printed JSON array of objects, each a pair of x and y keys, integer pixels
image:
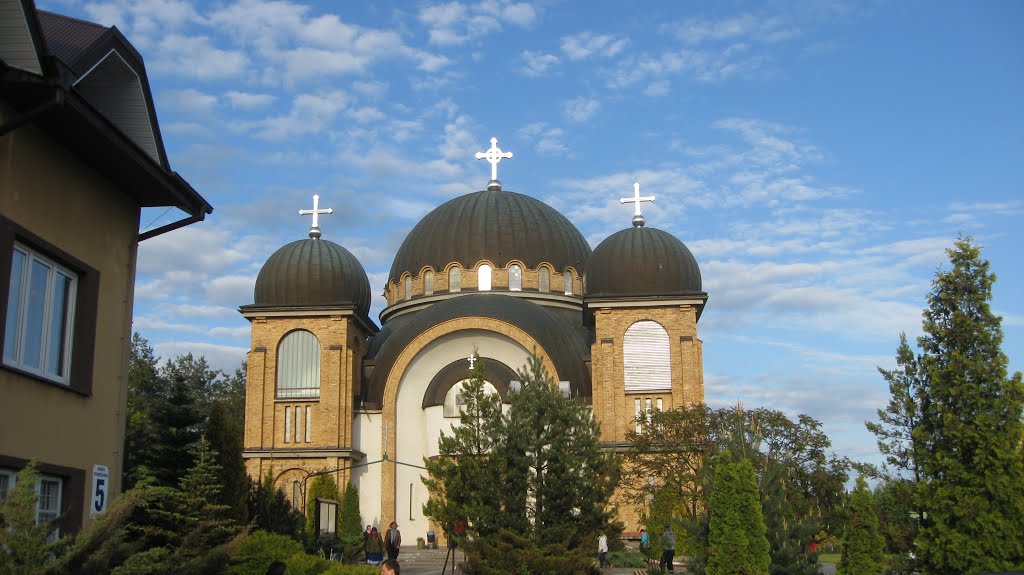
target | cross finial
[
  {"x": 314, "y": 232},
  {"x": 638, "y": 220},
  {"x": 472, "y": 361},
  {"x": 493, "y": 155}
]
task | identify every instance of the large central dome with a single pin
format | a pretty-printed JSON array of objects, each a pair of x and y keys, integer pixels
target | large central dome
[{"x": 492, "y": 225}]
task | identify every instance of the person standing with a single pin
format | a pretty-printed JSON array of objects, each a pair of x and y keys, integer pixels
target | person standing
[
  {"x": 374, "y": 548},
  {"x": 393, "y": 541},
  {"x": 366, "y": 542},
  {"x": 602, "y": 551},
  {"x": 668, "y": 542}
]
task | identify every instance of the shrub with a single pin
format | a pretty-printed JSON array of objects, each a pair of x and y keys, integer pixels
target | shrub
[
  {"x": 627, "y": 559},
  {"x": 260, "y": 549}
]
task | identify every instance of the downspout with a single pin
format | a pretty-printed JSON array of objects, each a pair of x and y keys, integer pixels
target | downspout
[{"x": 172, "y": 226}]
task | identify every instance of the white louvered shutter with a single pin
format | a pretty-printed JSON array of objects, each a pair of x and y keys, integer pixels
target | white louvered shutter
[{"x": 646, "y": 358}]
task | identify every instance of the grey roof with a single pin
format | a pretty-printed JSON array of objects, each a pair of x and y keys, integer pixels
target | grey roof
[
  {"x": 67, "y": 38},
  {"x": 499, "y": 226},
  {"x": 310, "y": 273},
  {"x": 566, "y": 342},
  {"x": 642, "y": 261}
]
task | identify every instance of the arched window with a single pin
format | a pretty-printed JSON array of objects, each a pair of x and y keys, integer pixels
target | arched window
[
  {"x": 515, "y": 278},
  {"x": 408, "y": 287},
  {"x": 567, "y": 279},
  {"x": 455, "y": 279},
  {"x": 298, "y": 365},
  {"x": 543, "y": 279},
  {"x": 646, "y": 357},
  {"x": 453, "y": 400},
  {"x": 483, "y": 275},
  {"x": 428, "y": 282}
]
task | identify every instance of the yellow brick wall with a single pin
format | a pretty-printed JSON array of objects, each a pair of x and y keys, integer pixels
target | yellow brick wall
[{"x": 394, "y": 292}]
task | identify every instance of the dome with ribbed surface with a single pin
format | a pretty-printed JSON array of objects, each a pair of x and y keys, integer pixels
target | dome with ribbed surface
[
  {"x": 491, "y": 225},
  {"x": 642, "y": 261},
  {"x": 313, "y": 273}
]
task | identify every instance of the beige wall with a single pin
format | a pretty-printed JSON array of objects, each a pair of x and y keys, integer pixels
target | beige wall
[{"x": 51, "y": 193}]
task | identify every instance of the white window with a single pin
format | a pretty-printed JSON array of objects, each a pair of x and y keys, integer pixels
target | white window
[
  {"x": 287, "y": 424},
  {"x": 543, "y": 279},
  {"x": 483, "y": 275},
  {"x": 453, "y": 400},
  {"x": 298, "y": 365},
  {"x": 515, "y": 278},
  {"x": 428, "y": 282},
  {"x": 298, "y": 423},
  {"x": 296, "y": 495},
  {"x": 309, "y": 422},
  {"x": 567, "y": 280},
  {"x": 646, "y": 358},
  {"x": 6, "y": 483},
  {"x": 48, "y": 506},
  {"x": 408, "y": 287},
  {"x": 455, "y": 279},
  {"x": 40, "y": 313},
  {"x": 636, "y": 415},
  {"x": 659, "y": 404}
]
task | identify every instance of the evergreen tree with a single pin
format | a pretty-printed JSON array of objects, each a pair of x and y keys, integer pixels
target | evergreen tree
[
  {"x": 146, "y": 390},
  {"x": 350, "y": 524},
  {"x": 224, "y": 431},
  {"x": 737, "y": 540},
  {"x": 464, "y": 480},
  {"x": 863, "y": 544},
  {"x": 178, "y": 422},
  {"x": 968, "y": 441},
  {"x": 23, "y": 544},
  {"x": 270, "y": 510},
  {"x": 322, "y": 486}
]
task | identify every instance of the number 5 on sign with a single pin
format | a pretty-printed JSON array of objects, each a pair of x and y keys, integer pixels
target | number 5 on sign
[{"x": 100, "y": 487}]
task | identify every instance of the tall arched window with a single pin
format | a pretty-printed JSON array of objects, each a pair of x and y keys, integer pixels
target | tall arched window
[
  {"x": 483, "y": 275},
  {"x": 298, "y": 366},
  {"x": 428, "y": 282},
  {"x": 408, "y": 287},
  {"x": 646, "y": 357},
  {"x": 567, "y": 279},
  {"x": 455, "y": 279},
  {"x": 543, "y": 279},
  {"x": 515, "y": 278}
]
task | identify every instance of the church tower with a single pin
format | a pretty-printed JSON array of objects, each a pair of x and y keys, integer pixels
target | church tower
[{"x": 309, "y": 333}]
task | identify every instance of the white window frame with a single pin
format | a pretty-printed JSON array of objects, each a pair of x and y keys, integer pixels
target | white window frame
[
  {"x": 309, "y": 423},
  {"x": 298, "y": 366},
  {"x": 17, "y": 326},
  {"x": 408, "y": 288},
  {"x": 515, "y": 277},
  {"x": 455, "y": 279},
  {"x": 52, "y": 512},
  {"x": 428, "y": 282},
  {"x": 483, "y": 278},
  {"x": 567, "y": 280},
  {"x": 647, "y": 358},
  {"x": 543, "y": 279}
]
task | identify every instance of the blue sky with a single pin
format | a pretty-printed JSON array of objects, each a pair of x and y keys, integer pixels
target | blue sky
[{"x": 817, "y": 157}]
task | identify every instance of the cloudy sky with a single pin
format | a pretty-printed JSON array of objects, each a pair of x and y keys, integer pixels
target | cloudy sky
[{"x": 817, "y": 157}]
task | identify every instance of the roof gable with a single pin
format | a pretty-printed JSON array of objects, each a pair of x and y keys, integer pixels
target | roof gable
[{"x": 20, "y": 42}]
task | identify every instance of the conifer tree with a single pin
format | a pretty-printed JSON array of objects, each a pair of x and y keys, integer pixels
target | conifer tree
[
  {"x": 863, "y": 543},
  {"x": 23, "y": 544},
  {"x": 322, "y": 486},
  {"x": 224, "y": 432},
  {"x": 971, "y": 432},
  {"x": 737, "y": 538},
  {"x": 270, "y": 510}
]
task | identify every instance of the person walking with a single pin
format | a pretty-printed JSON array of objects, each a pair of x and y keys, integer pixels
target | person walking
[
  {"x": 645, "y": 545},
  {"x": 668, "y": 542},
  {"x": 374, "y": 548},
  {"x": 393, "y": 541},
  {"x": 602, "y": 551}
]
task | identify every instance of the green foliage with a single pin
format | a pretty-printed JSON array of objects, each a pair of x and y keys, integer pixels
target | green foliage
[
  {"x": 321, "y": 487},
  {"x": 224, "y": 431},
  {"x": 509, "y": 553},
  {"x": 627, "y": 559},
  {"x": 737, "y": 531},
  {"x": 537, "y": 471},
  {"x": 255, "y": 554},
  {"x": 955, "y": 422},
  {"x": 897, "y": 524},
  {"x": 270, "y": 510},
  {"x": 23, "y": 544},
  {"x": 863, "y": 545},
  {"x": 350, "y": 527}
]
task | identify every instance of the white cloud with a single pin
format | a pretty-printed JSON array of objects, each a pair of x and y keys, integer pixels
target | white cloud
[
  {"x": 189, "y": 101},
  {"x": 455, "y": 23},
  {"x": 249, "y": 100},
  {"x": 580, "y": 109},
  {"x": 537, "y": 63},
  {"x": 196, "y": 56},
  {"x": 587, "y": 44}
]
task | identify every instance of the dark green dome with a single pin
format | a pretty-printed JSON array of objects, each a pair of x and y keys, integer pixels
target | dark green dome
[
  {"x": 642, "y": 261},
  {"x": 313, "y": 273},
  {"x": 491, "y": 225}
]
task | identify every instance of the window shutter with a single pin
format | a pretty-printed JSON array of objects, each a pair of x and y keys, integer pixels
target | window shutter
[{"x": 646, "y": 358}]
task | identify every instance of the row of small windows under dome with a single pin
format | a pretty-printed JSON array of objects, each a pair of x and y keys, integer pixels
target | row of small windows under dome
[
  {"x": 646, "y": 354},
  {"x": 483, "y": 278}
]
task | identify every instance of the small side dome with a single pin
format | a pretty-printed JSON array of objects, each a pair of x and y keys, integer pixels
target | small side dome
[
  {"x": 642, "y": 261},
  {"x": 312, "y": 273}
]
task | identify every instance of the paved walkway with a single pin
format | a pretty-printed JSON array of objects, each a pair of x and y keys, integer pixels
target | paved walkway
[{"x": 432, "y": 561}]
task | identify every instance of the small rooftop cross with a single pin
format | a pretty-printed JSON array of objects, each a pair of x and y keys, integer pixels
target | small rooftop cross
[
  {"x": 314, "y": 232},
  {"x": 493, "y": 155},
  {"x": 638, "y": 220},
  {"x": 472, "y": 361}
]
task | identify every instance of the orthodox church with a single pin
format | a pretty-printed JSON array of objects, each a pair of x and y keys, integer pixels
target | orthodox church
[{"x": 492, "y": 275}]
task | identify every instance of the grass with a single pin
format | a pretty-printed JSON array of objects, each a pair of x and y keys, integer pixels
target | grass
[{"x": 829, "y": 557}]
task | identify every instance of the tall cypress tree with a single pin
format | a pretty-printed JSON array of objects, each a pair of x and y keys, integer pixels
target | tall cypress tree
[
  {"x": 970, "y": 432},
  {"x": 863, "y": 543},
  {"x": 737, "y": 530}
]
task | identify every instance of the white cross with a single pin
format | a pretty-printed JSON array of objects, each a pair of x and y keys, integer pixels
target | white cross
[
  {"x": 636, "y": 199},
  {"x": 493, "y": 155},
  {"x": 316, "y": 211},
  {"x": 472, "y": 361}
]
